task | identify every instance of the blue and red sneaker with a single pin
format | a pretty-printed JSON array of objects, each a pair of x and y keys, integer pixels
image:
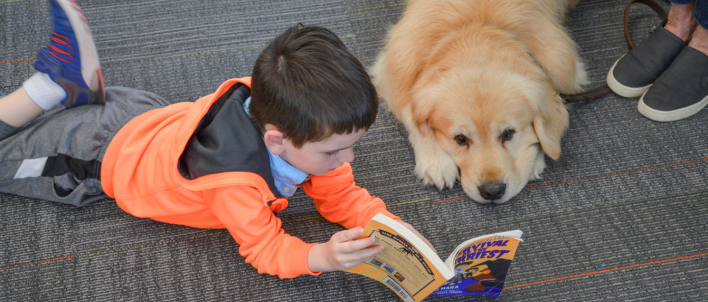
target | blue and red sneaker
[{"x": 70, "y": 59}]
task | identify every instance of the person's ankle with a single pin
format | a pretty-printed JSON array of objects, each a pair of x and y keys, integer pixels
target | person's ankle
[
  {"x": 43, "y": 91},
  {"x": 681, "y": 22},
  {"x": 700, "y": 40}
]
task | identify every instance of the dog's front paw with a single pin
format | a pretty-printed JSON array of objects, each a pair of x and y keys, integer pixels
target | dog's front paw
[{"x": 437, "y": 169}]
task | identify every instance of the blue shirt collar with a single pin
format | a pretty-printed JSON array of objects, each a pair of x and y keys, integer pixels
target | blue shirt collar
[{"x": 285, "y": 175}]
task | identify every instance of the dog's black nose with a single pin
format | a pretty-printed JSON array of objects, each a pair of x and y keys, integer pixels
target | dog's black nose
[{"x": 492, "y": 191}]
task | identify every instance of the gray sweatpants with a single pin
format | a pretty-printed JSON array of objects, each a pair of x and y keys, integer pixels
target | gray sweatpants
[{"x": 57, "y": 157}]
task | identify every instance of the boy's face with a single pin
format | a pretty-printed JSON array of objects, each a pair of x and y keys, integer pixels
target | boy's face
[{"x": 316, "y": 158}]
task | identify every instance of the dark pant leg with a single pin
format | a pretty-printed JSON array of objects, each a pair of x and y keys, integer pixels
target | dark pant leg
[
  {"x": 700, "y": 13},
  {"x": 682, "y": 1},
  {"x": 57, "y": 157},
  {"x": 6, "y": 130}
]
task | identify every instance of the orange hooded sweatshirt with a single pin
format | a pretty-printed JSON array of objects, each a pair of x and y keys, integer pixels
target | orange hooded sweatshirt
[{"x": 140, "y": 172}]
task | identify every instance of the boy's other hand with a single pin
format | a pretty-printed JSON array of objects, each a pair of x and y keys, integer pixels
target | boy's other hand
[
  {"x": 410, "y": 227},
  {"x": 342, "y": 252}
]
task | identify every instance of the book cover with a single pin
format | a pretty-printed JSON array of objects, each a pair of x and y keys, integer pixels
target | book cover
[
  {"x": 413, "y": 270},
  {"x": 480, "y": 267}
]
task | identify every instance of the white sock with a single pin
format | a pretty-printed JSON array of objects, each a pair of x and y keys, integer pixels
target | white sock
[{"x": 43, "y": 91}]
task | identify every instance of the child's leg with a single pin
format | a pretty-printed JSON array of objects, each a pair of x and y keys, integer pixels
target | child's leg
[
  {"x": 5, "y": 129},
  {"x": 18, "y": 109},
  {"x": 68, "y": 70},
  {"x": 57, "y": 157}
]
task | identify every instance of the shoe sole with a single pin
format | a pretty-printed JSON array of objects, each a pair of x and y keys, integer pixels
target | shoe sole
[
  {"x": 622, "y": 90},
  {"x": 670, "y": 116},
  {"x": 90, "y": 67}
]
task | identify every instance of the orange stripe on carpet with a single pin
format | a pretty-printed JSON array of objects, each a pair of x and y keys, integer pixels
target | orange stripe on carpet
[
  {"x": 608, "y": 270},
  {"x": 619, "y": 172},
  {"x": 37, "y": 262},
  {"x": 17, "y": 61},
  {"x": 452, "y": 199}
]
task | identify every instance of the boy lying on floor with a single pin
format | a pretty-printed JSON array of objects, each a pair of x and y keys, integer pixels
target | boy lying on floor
[{"x": 228, "y": 160}]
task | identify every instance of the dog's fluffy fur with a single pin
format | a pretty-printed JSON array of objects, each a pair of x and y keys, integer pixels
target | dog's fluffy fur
[{"x": 474, "y": 82}]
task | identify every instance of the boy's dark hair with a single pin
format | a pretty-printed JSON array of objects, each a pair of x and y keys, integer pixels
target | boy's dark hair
[{"x": 308, "y": 85}]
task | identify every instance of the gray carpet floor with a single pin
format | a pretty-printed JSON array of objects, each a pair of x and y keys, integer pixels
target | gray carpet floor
[{"x": 621, "y": 216}]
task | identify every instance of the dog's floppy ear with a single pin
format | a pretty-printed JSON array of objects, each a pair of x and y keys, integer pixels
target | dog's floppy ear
[{"x": 549, "y": 122}]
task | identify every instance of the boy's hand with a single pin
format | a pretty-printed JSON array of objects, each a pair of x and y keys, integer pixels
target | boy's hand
[
  {"x": 342, "y": 252},
  {"x": 410, "y": 227}
]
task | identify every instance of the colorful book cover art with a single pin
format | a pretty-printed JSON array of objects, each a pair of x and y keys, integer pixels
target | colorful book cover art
[
  {"x": 400, "y": 266},
  {"x": 480, "y": 268}
]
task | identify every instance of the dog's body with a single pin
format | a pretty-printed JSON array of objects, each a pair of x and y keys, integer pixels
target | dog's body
[{"x": 474, "y": 82}]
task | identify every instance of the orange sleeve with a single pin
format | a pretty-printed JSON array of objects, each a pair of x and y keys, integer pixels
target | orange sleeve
[
  {"x": 261, "y": 239},
  {"x": 341, "y": 201}
]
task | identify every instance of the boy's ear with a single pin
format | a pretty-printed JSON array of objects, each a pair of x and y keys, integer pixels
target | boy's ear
[{"x": 273, "y": 139}]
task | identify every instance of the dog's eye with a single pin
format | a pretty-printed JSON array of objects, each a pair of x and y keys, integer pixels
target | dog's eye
[
  {"x": 461, "y": 140},
  {"x": 507, "y": 135}
]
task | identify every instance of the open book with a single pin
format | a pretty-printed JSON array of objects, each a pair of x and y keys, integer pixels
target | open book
[{"x": 410, "y": 267}]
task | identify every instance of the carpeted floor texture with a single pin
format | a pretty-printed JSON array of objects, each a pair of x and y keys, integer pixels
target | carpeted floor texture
[{"x": 621, "y": 216}]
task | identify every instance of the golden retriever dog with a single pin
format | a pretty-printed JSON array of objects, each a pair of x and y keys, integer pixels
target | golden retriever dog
[{"x": 476, "y": 85}]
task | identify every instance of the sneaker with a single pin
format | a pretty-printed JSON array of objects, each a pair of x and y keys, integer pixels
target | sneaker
[
  {"x": 634, "y": 73},
  {"x": 70, "y": 59},
  {"x": 681, "y": 91}
]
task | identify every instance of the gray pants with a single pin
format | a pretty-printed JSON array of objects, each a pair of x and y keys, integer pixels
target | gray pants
[{"x": 57, "y": 157}]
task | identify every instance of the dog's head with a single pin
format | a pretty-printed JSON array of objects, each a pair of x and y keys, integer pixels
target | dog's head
[{"x": 495, "y": 123}]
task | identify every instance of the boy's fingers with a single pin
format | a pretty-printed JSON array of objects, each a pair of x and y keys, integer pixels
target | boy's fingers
[
  {"x": 356, "y": 258},
  {"x": 367, "y": 253},
  {"x": 347, "y": 235},
  {"x": 360, "y": 244}
]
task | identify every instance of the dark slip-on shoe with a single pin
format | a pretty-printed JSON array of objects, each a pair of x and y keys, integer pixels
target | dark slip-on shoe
[
  {"x": 634, "y": 73},
  {"x": 681, "y": 91}
]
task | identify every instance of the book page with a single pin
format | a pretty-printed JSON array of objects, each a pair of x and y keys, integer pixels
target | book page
[
  {"x": 401, "y": 266},
  {"x": 481, "y": 266}
]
